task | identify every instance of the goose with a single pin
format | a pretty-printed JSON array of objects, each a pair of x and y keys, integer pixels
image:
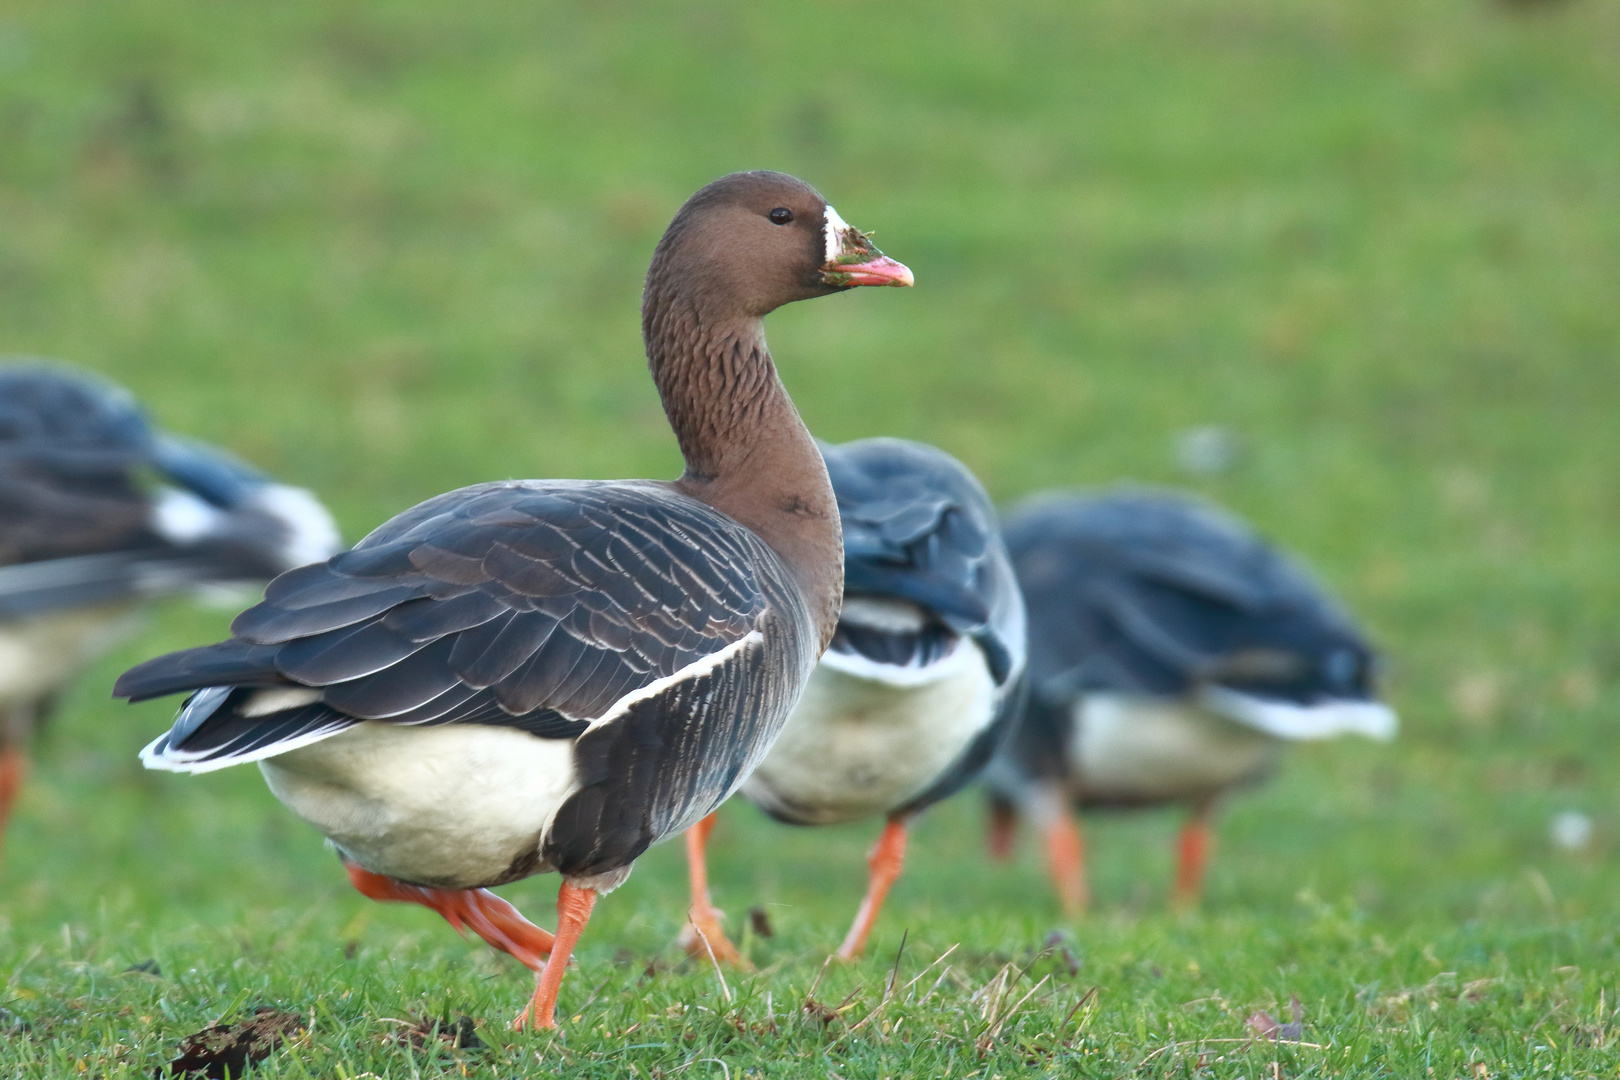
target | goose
[
  {"x": 99, "y": 511},
  {"x": 922, "y": 679},
  {"x": 552, "y": 675},
  {"x": 1172, "y": 654}
]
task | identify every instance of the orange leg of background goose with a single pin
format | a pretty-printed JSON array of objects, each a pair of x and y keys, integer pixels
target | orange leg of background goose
[
  {"x": 13, "y": 767},
  {"x": 573, "y": 912},
  {"x": 883, "y": 870},
  {"x": 1003, "y": 830},
  {"x": 1192, "y": 855},
  {"x": 478, "y": 910},
  {"x": 1066, "y": 859},
  {"x": 702, "y": 917}
]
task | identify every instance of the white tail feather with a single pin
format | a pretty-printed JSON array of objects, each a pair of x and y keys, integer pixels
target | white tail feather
[{"x": 1287, "y": 720}]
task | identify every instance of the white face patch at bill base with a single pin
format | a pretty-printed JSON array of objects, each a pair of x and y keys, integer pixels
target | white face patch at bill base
[{"x": 833, "y": 235}]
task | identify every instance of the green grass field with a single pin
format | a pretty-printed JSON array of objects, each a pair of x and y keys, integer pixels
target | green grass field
[{"x": 384, "y": 250}]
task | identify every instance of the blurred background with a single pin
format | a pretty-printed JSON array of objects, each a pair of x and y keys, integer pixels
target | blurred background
[{"x": 1348, "y": 267}]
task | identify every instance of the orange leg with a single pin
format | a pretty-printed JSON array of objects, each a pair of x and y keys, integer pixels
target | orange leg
[
  {"x": 1066, "y": 859},
  {"x": 478, "y": 910},
  {"x": 13, "y": 767},
  {"x": 573, "y": 912},
  {"x": 1003, "y": 830},
  {"x": 883, "y": 870},
  {"x": 703, "y": 931},
  {"x": 1192, "y": 855}
]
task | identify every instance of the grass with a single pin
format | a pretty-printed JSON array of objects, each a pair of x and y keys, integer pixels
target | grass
[{"x": 384, "y": 250}]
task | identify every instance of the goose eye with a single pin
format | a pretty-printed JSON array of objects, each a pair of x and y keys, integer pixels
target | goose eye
[{"x": 780, "y": 216}]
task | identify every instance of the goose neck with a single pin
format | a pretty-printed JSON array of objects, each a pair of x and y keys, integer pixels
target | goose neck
[{"x": 748, "y": 454}]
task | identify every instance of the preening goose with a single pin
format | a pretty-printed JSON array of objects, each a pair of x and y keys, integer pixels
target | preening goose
[
  {"x": 924, "y": 675},
  {"x": 554, "y": 674},
  {"x": 1172, "y": 652},
  {"x": 98, "y": 512}
]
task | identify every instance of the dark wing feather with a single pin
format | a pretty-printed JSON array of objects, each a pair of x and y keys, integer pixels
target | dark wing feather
[
  {"x": 111, "y": 577},
  {"x": 80, "y": 520},
  {"x": 1155, "y": 593},
  {"x": 70, "y": 447},
  {"x": 229, "y": 663},
  {"x": 532, "y": 604},
  {"x": 919, "y": 527}
]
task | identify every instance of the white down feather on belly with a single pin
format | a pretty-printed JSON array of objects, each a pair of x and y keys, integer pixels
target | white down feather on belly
[
  {"x": 41, "y": 652},
  {"x": 452, "y": 806},
  {"x": 862, "y": 743}
]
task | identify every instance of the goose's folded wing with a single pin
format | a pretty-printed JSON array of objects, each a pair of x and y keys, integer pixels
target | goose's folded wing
[
  {"x": 540, "y": 605},
  {"x": 69, "y": 448},
  {"x": 113, "y": 576},
  {"x": 1152, "y": 593},
  {"x": 42, "y": 519},
  {"x": 918, "y": 527}
]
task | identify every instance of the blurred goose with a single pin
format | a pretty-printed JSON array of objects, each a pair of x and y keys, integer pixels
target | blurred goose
[
  {"x": 923, "y": 677},
  {"x": 99, "y": 512},
  {"x": 542, "y": 675},
  {"x": 1172, "y": 653}
]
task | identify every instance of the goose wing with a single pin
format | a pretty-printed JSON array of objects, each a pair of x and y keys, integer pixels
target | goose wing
[
  {"x": 918, "y": 527},
  {"x": 96, "y": 507},
  {"x": 1155, "y": 593},
  {"x": 548, "y": 606},
  {"x": 70, "y": 447}
]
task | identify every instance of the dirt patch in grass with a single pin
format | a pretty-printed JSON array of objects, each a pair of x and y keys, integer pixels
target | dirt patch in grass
[{"x": 228, "y": 1049}]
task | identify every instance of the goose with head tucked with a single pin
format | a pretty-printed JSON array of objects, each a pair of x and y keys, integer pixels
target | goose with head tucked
[
  {"x": 99, "y": 511},
  {"x": 923, "y": 678},
  {"x": 545, "y": 675},
  {"x": 1172, "y": 654}
]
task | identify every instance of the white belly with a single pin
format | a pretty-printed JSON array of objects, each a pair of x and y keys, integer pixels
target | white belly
[
  {"x": 41, "y": 652},
  {"x": 1142, "y": 749},
  {"x": 856, "y": 746},
  {"x": 453, "y": 806}
]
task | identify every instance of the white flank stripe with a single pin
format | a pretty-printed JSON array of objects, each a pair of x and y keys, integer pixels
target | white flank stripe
[
  {"x": 696, "y": 669},
  {"x": 1285, "y": 720}
]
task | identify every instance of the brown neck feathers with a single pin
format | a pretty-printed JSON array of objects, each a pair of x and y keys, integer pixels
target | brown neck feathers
[{"x": 747, "y": 453}]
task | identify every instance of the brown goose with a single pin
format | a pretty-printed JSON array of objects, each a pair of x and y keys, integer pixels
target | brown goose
[{"x": 554, "y": 674}]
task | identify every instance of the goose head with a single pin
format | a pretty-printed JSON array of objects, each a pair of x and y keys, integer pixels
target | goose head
[{"x": 750, "y": 242}]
